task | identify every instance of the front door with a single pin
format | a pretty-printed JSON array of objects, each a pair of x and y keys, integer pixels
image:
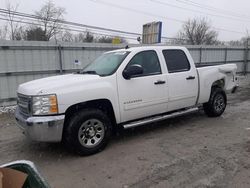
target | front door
[{"x": 146, "y": 94}]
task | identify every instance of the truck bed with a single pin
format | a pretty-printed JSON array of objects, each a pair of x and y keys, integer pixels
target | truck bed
[
  {"x": 199, "y": 65},
  {"x": 208, "y": 73}
]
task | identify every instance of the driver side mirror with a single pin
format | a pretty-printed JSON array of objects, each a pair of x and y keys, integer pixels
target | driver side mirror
[{"x": 132, "y": 70}]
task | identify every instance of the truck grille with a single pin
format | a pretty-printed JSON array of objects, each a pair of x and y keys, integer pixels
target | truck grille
[{"x": 24, "y": 103}]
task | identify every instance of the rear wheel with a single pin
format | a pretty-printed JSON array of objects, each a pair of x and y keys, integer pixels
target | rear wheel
[
  {"x": 216, "y": 104},
  {"x": 88, "y": 131}
]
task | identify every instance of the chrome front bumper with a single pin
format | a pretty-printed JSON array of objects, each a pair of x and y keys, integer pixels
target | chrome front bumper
[{"x": 43, "y": 129}]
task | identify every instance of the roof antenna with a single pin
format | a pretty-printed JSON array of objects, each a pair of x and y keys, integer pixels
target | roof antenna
[{"x": 126, "y": 47}]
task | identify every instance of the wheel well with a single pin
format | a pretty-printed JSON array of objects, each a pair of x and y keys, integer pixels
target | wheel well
[
  {"x": 219, "y": 84},
  {"x": 102, "y": 104}
]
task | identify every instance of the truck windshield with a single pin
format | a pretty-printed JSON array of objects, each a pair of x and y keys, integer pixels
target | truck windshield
[{"x": 106, "y": 64}]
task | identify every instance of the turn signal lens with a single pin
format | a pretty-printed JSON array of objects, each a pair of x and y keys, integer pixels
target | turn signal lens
[{"x": 53, "y": 104}]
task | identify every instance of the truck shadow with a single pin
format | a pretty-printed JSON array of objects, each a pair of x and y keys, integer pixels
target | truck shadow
[{"x": 158, "y": 127}]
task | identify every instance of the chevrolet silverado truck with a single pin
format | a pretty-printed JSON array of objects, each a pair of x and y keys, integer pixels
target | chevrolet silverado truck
[{"x": 127, "y": 88}]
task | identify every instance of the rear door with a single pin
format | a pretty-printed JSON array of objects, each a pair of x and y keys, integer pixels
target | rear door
[{"x": 182, "y": 79}]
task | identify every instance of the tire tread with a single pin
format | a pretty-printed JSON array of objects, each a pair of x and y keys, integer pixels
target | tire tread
[
  {"x": 70, "y": 139},
  {"x": 209, "y": 108}
]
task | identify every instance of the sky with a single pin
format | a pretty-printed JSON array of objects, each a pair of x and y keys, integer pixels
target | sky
[{"x": 230, "y": 18}]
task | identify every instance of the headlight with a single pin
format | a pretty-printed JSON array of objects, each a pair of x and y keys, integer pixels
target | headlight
[{"x": 44, "y": 105}]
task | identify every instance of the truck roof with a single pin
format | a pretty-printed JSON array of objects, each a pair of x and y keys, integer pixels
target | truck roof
[{"x": 142, "y": 48}]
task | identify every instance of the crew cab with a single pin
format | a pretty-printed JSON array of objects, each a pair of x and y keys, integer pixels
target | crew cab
[{"x": 126, "y": 87}]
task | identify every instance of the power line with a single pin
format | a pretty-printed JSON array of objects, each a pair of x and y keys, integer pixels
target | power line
[
  {"x": 136, "y": 11},
  {"x": 36, "y": 18},
  {"x": 79, "y": 26},
  {"x": 193, "y": 10},
  {"x": 67, "y": 22},
  {"x": 211, "y": 8},
  {"x": 155, "y": 15},
  {"x": 67, "y": 29},
  {"x": 31, "y": 17}
]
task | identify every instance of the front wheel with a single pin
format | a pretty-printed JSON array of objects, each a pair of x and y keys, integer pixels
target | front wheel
[
  {"x": 88, "y": 131},
  {"x": 217, "y": 103}
]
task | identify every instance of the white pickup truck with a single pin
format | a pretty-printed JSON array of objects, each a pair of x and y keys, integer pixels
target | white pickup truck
[{"x": 127, "y": 87}]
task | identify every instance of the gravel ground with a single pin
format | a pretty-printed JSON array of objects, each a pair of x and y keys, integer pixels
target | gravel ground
[{"x": 189, "y": 151}]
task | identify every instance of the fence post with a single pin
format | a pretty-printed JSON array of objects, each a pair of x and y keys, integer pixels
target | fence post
[
  {"x": 60, "y": 58},
  {"x": 245, "y": 57},
  {"x": 200, "y": 54},
  {"x": 225, "y": 59}
]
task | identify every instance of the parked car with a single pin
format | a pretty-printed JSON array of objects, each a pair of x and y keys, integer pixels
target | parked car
[{"x": 126, "y": 87}]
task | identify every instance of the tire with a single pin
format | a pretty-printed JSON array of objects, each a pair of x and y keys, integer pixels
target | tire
[
  {"x": 217, "y": 103},
  {"x": 87, "y": 132}
]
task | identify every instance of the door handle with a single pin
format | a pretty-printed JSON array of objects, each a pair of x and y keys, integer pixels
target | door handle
[
  {"x": 159, "y": 82},
  {"x": 190, "y": 78}
]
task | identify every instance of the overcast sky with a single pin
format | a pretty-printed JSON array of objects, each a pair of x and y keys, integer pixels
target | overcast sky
[{"x": 99, "y": 13}]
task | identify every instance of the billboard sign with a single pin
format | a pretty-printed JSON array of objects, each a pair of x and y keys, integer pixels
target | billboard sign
[{"x": 151, "y": 33}]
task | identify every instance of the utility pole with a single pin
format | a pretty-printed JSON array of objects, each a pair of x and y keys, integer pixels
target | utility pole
[{"x": 246, "y": 56}]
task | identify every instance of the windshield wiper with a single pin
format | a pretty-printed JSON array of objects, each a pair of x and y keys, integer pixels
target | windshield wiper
[{"x": 88, "y": 72}]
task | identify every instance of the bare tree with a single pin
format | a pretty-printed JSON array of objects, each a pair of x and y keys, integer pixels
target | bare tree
[
  {"x": 20, "y": 33},
  {"x": 245, "y": 39},
  {"x": 50, "y": 16},
  {"x": 197, "y": 32},
  {"x": 80, "y": 37},
  {"x": 4, "y": 32},
  {"x": 16, "y": 31},
  {"x": 84, "y": 37},
  {"x": 67, "y": 37},
  {"x": 235, "y": 43}
]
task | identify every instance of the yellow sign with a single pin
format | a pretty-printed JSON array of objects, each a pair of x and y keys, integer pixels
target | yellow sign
[{"x": 116, "y": 40}]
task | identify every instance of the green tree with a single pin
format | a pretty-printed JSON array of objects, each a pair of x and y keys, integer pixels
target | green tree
[
  {"x": 35, "y": 34},
  {"x": 89, "y": 37}
]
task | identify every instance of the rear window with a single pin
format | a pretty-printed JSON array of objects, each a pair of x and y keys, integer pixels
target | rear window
[{"x": 176, "y": 61}]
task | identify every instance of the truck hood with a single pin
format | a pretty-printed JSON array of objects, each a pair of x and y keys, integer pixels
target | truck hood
[{"x": 53, "y": 84}]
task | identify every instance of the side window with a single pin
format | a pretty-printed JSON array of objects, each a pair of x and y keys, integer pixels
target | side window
[
  {"x": 176, "y": 61},
  {"x": 149, "y": 62}
]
